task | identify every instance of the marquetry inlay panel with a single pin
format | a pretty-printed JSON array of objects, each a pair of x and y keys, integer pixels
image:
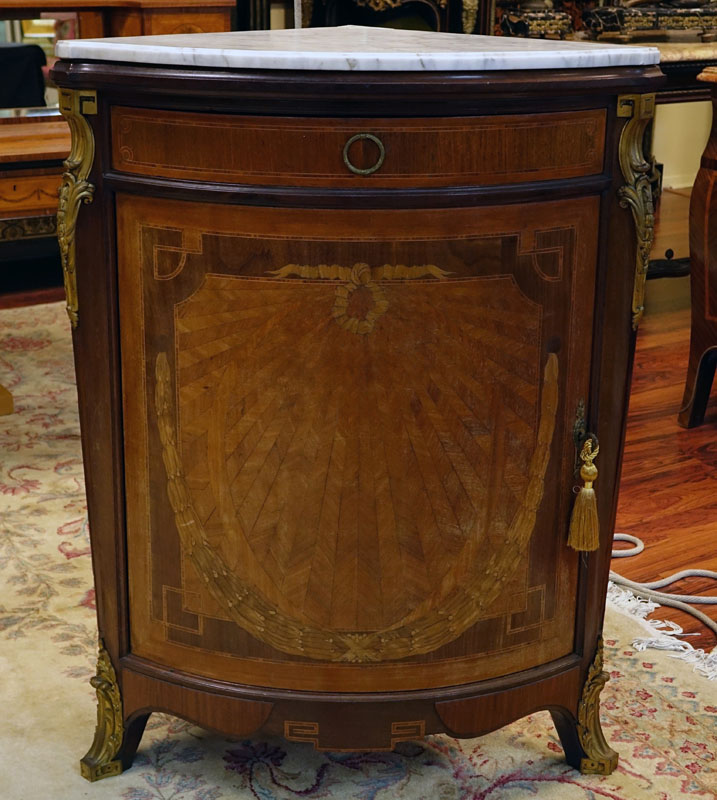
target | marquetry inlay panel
[
  {"x": 355, "y": 448},
  {"x": 309, "y": 151},
  {"x": 312, "y": 733}
]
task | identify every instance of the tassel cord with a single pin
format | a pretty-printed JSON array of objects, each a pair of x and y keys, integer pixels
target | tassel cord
[
  {"x": 668, "y": 600},
  {"x": 673, "y": 600},
  {"x": 584, "y": 531}
]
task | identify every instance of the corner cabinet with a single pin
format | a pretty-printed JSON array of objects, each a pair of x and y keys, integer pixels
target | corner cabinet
[{"x": 341, "y": 339}]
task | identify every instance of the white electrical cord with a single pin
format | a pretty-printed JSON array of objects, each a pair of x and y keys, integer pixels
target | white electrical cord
[{"x": 649, "y": 590}]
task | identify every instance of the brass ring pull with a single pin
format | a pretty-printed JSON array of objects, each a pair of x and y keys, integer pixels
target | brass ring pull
[{"x": 381, "y": 153}]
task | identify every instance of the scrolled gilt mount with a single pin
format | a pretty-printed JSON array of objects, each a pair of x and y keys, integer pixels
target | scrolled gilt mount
[
  {"x": 600, "y": 758},
  {"x": 75, "y": 189},
  {"x": 636, "y": 194},
  {"x": 102, "y": 761}
]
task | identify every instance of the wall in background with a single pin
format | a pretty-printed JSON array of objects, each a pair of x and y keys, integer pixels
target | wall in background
[
  {"x": 281, "y": 14},
  {"x": 681, "y": 133}
]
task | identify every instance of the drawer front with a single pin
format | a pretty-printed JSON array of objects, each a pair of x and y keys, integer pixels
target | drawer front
[
  {"x": 358, "y": 152},
  {"x": 29, "y": 193},
  {"x": 348, "y": 438}
]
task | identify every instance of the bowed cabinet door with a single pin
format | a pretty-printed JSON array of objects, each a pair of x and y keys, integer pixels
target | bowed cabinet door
[{"x": 348, "y": 438}]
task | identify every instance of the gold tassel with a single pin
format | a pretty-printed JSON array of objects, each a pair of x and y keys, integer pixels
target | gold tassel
[{"x": 584, "y": 523}]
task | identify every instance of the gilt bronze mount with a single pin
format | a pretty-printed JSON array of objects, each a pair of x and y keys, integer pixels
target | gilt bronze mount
[
  {"x": 101, "y": 760},
  {"x": 600, "y": 758},
  {"x": 75, "y": 189},
  {"x": 636, "y": 194}
]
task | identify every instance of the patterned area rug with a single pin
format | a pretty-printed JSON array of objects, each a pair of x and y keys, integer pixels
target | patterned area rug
[{"x": 657, "y": 713}]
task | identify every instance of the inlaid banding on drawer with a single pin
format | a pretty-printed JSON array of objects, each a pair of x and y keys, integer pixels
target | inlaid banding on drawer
[
  {"x": 29, "y": 193},
  {"x": 310, "y": 152}
]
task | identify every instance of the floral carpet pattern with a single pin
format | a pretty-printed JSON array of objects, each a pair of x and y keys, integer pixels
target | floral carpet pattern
[{"x": 657, "y": 713}]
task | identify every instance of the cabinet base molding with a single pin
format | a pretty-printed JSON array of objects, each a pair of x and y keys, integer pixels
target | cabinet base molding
[{"x": 344, "y": 723}]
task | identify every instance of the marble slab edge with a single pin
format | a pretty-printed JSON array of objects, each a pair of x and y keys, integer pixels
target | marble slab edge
[{"x": 590, "y": 57}]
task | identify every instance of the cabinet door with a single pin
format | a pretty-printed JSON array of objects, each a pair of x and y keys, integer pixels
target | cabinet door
[{"x": 348, "y": 438}]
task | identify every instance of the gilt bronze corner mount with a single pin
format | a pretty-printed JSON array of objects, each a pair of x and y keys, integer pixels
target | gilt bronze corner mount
[
  {"x": 600, "y": 758},
  {"x": 101, "y": 760},
  {"x": 636, "y": 194},
  {"x": 75, "y": 105}
]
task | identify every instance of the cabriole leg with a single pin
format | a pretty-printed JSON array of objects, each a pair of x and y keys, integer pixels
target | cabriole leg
[
  {"x": 115, "y": 744},
  {"x": 700, "y": 374},
  {"x": 582, "y": 738}
]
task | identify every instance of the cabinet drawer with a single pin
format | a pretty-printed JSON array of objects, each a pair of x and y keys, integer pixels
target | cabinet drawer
[
  {"x": 357, "y": 152},
  {"x": 29, "y": 193}
]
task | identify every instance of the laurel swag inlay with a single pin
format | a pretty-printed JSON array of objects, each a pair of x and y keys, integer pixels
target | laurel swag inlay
[{"x": 453, "y": 606}]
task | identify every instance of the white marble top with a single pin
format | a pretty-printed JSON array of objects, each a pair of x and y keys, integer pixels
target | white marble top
[{"x": 354, "y": 47}]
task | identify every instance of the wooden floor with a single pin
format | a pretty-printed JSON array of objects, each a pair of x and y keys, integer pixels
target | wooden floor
[{"x": 668, "y": 492}]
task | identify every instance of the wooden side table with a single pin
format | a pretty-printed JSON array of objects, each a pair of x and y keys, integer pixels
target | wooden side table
[
  {"x": 703, "y": 279},
  {"x": 33, "y": 145},
  {"x": 98, "y": 18}
]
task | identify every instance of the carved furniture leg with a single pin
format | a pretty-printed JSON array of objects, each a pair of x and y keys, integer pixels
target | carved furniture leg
[
  {"x": 703, "y": 279},
  {"x": 115, "y": 742},
  {"x": 698, "y": 384},
  {"x": 582, "y": 738}
]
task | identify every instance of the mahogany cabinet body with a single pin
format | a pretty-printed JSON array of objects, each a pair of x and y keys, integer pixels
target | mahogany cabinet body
[{"x": 328, "y": 416}]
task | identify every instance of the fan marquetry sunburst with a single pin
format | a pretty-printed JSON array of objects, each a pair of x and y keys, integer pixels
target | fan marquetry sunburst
[{"x": 358, "y": 454}]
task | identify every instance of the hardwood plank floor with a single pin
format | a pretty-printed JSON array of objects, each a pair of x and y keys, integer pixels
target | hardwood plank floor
[{"x": 668, "y": 491}]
